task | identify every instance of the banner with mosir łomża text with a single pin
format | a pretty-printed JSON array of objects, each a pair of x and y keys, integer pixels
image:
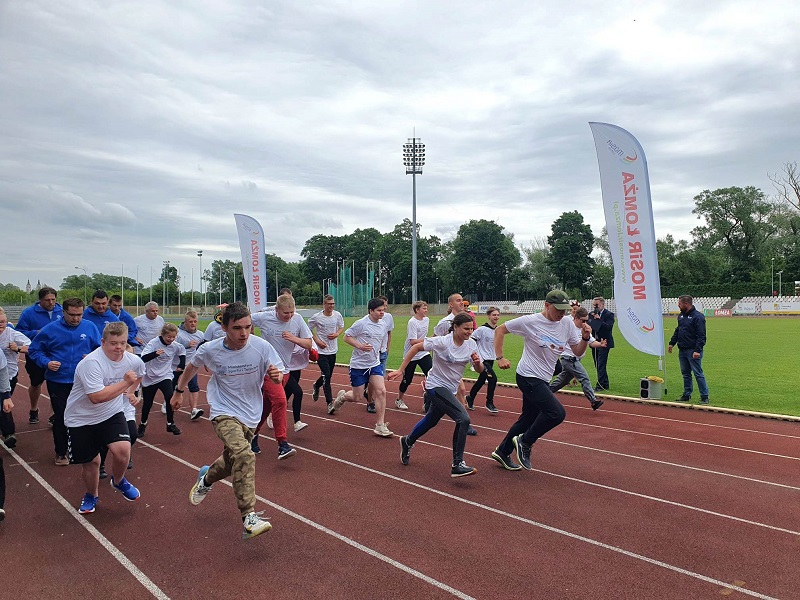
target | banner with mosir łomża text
[
  {"x": 631, "y": 236},
  {"x": 254, "y": 265}
]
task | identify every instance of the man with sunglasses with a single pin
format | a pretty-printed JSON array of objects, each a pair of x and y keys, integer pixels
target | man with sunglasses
[{"x": 571, "y": 364}]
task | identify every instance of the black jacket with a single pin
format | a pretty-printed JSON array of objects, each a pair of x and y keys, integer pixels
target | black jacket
[
  {"x": 602, "y": 326},
  {"x": 690, "y": 334}
]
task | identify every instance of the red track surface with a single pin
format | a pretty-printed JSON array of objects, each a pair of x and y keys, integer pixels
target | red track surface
[{"x": 631, "y": 501}]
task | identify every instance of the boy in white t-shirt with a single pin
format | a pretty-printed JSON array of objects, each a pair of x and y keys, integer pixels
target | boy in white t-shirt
[
  {"x": 416, "y": 331},
  {"x": 326, "y": 326},
  {"x": 239, "y": 363},
  {"x": 546, "y": 334},
  {"x": 484, "y": 336},
  {"x": 12, "y": 343},
  {"x": 158, "y": 355},
  {"x": 190, "y": 337},
  {"x": 95, "y": 414}
]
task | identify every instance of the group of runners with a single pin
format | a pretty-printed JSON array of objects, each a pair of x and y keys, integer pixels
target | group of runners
[{"x": 94, "y": 384}]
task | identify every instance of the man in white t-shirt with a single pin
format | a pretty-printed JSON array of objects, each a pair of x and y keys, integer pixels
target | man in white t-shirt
[
  {"x": 190, "y": 337},
  {"x": 148, "y": 325},
  {"x": 366, "y": 336},
  {"x": 239, "y": 363},
  {"x": 95, "y": 413},
  {"x": 416, "y": 331},
  {"x": 546, "y": 335},
  {"x": 388, "y": 321},
  {"x": 326, "y": 326}
]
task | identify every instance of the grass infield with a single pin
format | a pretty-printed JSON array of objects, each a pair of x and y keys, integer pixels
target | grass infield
[{"x": 748, "y": 362}]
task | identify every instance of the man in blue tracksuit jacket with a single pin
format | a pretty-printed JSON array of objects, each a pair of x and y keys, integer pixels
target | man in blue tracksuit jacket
[
  {"x": 115, "y": 306},
  {"x": 58, "y": 348},
  {"x": 690, "y": 335},
  {"x": 30, "y": 322},
  {"x": 98, "y": 312}
]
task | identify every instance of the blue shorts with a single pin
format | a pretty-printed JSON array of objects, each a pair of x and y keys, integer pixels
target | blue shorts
[{"x": 360, "y": 377}]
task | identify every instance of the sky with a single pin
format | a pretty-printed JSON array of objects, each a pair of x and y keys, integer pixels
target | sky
[{"x": 132, "y": 131}]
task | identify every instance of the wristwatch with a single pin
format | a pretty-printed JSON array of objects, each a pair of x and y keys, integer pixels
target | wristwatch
[
  {"x": 180, "y": 391},
  {"x": 499, "y": 358}
]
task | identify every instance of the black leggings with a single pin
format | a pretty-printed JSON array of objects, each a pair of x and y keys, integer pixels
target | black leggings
[
  {"x": 7, "y": 426},
  {"x": 292, "y": 388},
  {"x": 443, "y": 402},
  {"x": 541, "y": 411},
  {"x": 326, "y": 364},
  {"x": 487, "y": 376},
  {"x": 425, "y": 363},
  {"x": 2, "y": 484},
  {"x": 149, "y": 394}
]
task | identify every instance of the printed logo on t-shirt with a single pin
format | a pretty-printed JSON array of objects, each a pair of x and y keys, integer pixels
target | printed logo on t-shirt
[
  {"x": 243, "y": 369},
  {"x": 552, "y": 343}
]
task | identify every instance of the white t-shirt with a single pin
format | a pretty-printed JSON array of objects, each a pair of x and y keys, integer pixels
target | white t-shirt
[
  {"x": 272, "y": 329},
  {"x": 449, "y": 361},
  {"x": 366, "y": 331},
  {"x": 12, "y": 335},
  {"x": 214, "y": 331},
  {"x": 235, "y": 386},
  {"x": 567, "y": 350},
  {"x": 415, "y": 330},
  {"x": 443, "y": 326},
  {"x": 147, "y": 329},
  {"x": 95, "y": 372},
  {"x": 324, "y": 325},
  {"x": 545, "y": 340},
  {"x": 484, "y": 336},
  {"x": 388, "y": 319},
  {"x": 160, "y": 367},
  {"x": 185, "y": 339}
]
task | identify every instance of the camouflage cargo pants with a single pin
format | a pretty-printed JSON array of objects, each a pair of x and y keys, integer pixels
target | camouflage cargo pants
[{"x": 237, "y": 460}]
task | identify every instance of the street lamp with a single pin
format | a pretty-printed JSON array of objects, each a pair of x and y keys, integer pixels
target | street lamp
[
  {"x": 200, "y": 256},
  {"x": 414, "y": 160},
  {"x": 164, "y": 286},
  {"x": 780, "y": 284},
  {"x": 506, "y": 285},
  {"x": 85, "y": 281},
  {"x": 772, "y": 279}
]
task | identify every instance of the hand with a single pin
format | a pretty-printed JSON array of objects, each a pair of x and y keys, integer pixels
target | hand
[
  {"x": 504, "y": 363},
  {"x": 604, "y": 344},
  {"x": 586, "y": 330},
  {"x": 696, "y": 355},
  {"x": 669, "y": 349},
  {"x": 159, "y": 352},
  {"x": 274, "y": 373},
  {"x": 193, "y": 343},
  {"x": 53, "y": 365},
  {"x": 366, "y": 348},
  {"x": 8, "y": 405},
  {"x": 287, "y": 336},
  {"x": 476, "y": 360},
  {"x": 132, "y": 398},
  {"x": 332, "y": 336},
  {"x": 395, "y": 375},
  {"x": 13, "y": 346},
  {"x": 177, "y": 401},
  {"x": 130, "y": 377},
  {"x": 322, "y": 344}
]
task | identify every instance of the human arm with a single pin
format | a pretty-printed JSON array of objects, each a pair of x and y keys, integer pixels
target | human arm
[
  {"x": 112, "y": 391},
  {"x": 398, "y": 374},
  {"x": 586, "y": 334},
  {"x": 700, "y": 335},
  {"x": 499, "y": 337},
  {"x": 356, "y": 344}
]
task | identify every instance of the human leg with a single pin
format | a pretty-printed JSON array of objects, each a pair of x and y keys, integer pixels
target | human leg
[
  {"x": 326, "y": 363},
  {"x": 293, "y": 389},
  {"x": 237, "y": 460},
  {"x": 602, "y": 362},
  {"x": 59, "y": 392},
  {"x": 697, "y": 369},
  {"x": 684, "y": 358},
  {"x": 148, "y": 396},
  {"x": 579, "y": 373}
]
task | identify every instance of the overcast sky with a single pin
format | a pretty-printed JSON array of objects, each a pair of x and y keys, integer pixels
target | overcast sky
[{"x": 132, "y": 131}]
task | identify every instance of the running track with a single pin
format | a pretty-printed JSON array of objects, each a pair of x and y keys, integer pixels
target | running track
[{"x": 631, "y": 501}]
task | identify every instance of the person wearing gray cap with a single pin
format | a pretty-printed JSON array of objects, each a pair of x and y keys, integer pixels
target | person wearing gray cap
[{"x": 545, "y": 335}]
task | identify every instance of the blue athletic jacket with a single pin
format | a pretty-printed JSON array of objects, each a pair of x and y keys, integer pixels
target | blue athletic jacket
[
  {"x": 35, "y": 317},
  {"x": 68, "y": 345},
  {"x": 133, "y": 331},
  {"x": 100, "y": 321}
]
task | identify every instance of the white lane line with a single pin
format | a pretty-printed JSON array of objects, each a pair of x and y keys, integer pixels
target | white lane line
[
  {"x": 677, "y": 439},
  {"x": 374, "y": 553},
  {"x": 143, "y": 579}
]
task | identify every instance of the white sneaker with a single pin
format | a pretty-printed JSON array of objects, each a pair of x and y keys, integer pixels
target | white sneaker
[
  {"x": 269, "y": 421},
  {"x": 299, "y": 425},
  {"x": 164, "y": 408},
  {"x": 254, "y": 525},
  {"x": 197, "y": 413},
  {"x": 339, "y": 402},
  {"x": 199, "y": 489},
  {"x": 382, "y": 430},
  {"x": 400, "y": 404}
]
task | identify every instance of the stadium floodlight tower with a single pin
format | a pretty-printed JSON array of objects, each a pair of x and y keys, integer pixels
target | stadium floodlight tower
[{"x": 414, "y": 160}]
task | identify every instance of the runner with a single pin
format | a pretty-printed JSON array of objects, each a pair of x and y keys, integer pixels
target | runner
[
  {"x": 416, "y": 331},
  {"x": 190, "y": 338},
  {"x": 484, "y": 336},
  {"x": 326, "y": 327},
  {"x": 158, "y": 355},
  {"x": 12, "y": 343}
]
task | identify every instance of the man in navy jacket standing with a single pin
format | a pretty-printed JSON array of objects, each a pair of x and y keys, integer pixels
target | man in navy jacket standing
[
  {"x": 30, "y": 322},
  {"x": 602, "y": 323},
  {"x": 58, "y": 348},
  {"x": 690, "y": 335}
]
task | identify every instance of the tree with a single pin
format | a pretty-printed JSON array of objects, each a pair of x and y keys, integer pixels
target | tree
[
  {"x": 738, "y": 221},
  {"x": 571, "y": 243},
  {"x": 537, "y": 278},
  {"x": 322, "y": 253},
  {"x": 787, "y": 184},
  {"x": 482, "y": 253}
]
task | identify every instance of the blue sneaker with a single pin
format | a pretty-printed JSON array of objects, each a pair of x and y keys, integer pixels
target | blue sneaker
[
  {"x": 128, "y": 491},
  {"x": 88, "y": 504}
]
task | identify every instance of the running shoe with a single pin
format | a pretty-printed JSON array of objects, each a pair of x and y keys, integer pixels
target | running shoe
[
  {"x": 339, "y": 402},
  {"x": 470, "y": 402},
  {"x": 199, "y": 489},
  {"x": 523, "y": 452},
  {"x": 254, "y": 446},
  {"x": 254, "y": 525},
  {"x": 88, "y": 504},
  {"x": 597, "y": 404},
  {"x": 173, "y": 429},
  {"x": 462, "y": 470},
  {"x": 299, "y": 426},
  {"x": 141, "y": 428},
  {"x": 197, "y": 413},
  {"x": 125, "y": 488},
  {"x": 400, "y": 404},
  {"x": 10, "y": 440},
  {"x": 371, "y": 408},
  {"x": 491, "y": 407},
  {"x": 405, "y": 450},
  {"x": 315, "y": 393},
  {"x": 505, "y": 460},
  {"x": 285, "y": 450},
  {"x": 33, "y": 417},
  {"x": 382, "y": 430},
  {"x": 62, "y": 461},
  {"x": 103, "y": 474}
]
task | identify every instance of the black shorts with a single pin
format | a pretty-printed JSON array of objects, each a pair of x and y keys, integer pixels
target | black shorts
[
  {"x": 35, "y": 372},
  {"x": 85, "y": 442}
]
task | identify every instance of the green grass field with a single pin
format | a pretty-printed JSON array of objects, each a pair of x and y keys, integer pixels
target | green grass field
[{"x": 748, "y": 362}]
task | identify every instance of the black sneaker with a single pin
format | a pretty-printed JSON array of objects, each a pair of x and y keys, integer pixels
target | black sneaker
[
  {"x": 173, "y": 429},
  {"x": 130, "y": 463},
  {"x": 10, "y": 440},
  {"x": 703, "y": 399},
  {"x": 140, "y": 429},
  {"x": 254, "y": 446},
  {"x": 462, "y": 470},
  {"x": 331, "y": 409},
  {"x": 491, "y": 407},
  {"x": 405, "y": 450},
  {"x": 103, "y": 473},
  {"x": 470, "y": 402},
  {"x": 51, "y": 420},
  {"x": 684, "y": 398},
  {"x": 285, "y": 450},
  {"x": 371, "y": 407},
  {"x": 315, "y": 393},
  {"x": 505, "y": 460},
  {"x": 33, "y": 417},
  {"x": 471, "y": 431},
  {"x": 597, "y": 404},
  {"x": 523, "y": 452}
]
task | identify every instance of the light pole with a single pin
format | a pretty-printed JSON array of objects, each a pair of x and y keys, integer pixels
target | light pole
[
  {"x": 414, "y": 160},
  {"x": 164, "y": 286},
  {"x": 200, "y": 256},
  {"x": 780, "y": 284},
  {"x": 772, "y": 279},
  {"x": 220, "y": 284},
  {"x": 85, "y": 280}
]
